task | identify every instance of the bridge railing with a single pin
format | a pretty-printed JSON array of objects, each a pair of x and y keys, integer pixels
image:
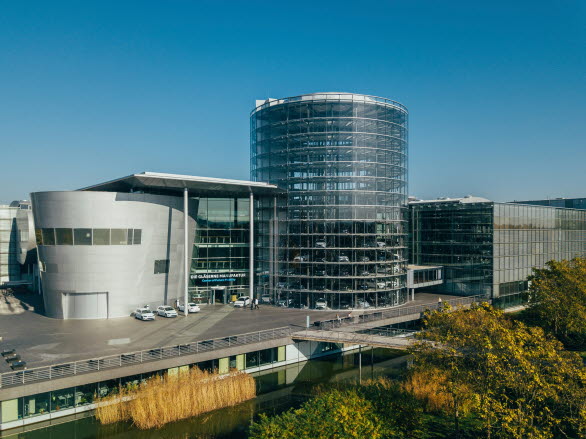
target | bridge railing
[
  {"x": 397, "y": 312},
  {"x": 45, "y": 373}
]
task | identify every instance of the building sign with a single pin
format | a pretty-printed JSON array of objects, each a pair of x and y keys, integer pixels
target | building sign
[{"x": 217, "y": 278}]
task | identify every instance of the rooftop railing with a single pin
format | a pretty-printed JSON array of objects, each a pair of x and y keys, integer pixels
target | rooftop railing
[{"x": 45, "y": 373}]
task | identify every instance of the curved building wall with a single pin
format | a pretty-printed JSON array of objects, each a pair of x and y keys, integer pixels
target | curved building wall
[
  {"x": 341, "y": 235},
  {"x": 85, "y": 277}
]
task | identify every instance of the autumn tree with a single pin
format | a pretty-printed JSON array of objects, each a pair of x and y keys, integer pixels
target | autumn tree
[
  {"x": 518, "y": 380},
  {"x": 557, "y": 300}
]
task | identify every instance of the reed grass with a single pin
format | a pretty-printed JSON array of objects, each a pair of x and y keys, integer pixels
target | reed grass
[{"x": 160, "y": 400}]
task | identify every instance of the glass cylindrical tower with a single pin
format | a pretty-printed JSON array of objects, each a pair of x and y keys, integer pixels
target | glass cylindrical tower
[{"x": 340, "y": 238}]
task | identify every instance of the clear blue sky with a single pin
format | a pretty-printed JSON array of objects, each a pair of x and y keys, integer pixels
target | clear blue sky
[{"x": 93, "y": 90}]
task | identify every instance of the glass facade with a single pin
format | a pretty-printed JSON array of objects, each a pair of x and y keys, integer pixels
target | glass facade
[
  {"x": 341, "y": 234},
  {"x": 457, "y": 236},
  {"x": 14, "y": 234},
  {"x": 220, "y": 258},
  {"x": 490, "y": 248}
]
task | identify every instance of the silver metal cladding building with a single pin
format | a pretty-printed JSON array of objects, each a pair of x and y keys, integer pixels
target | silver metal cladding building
[
  {"x": 107, "y": 249},
  {"x": 342, "y": 158}
]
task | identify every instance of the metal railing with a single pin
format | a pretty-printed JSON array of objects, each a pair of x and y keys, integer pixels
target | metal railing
[
  {"x": 45, "y": 373},
  {"x": 368, "y": 337},
  {"x": 327, "y": 325}
]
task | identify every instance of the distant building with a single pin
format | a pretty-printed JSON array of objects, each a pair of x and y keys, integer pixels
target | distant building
[
  {"x": 568, "y": 203},
  {"x": 490, "y": 248},
  {"x": 17, "y": 244}
]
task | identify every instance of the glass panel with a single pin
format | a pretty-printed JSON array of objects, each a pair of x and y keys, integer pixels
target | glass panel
[
  {"x": 251, "y": 360},
  {"x": 36, "y": 404},
  {"x": 129, "y": 241},
  {"x": 118, "y": 236},
  {"x": 82, "y": 236},
  {"x": 62, "y": 399},
  {"x": 48, "y": 236},
  {"x": 64, "y": 236},
  {"x": 101, "y": 236},
  {"x": 137, "y": 236},
  {"x": 85, "y": 394}
]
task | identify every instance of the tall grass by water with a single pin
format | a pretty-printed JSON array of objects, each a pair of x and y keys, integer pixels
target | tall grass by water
[{"x": 163, "y": 399}]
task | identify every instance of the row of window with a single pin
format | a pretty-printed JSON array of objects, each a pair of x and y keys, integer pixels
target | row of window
[
  {"x": 64, "y": 236},
  {"x": 57, "y": 400}
]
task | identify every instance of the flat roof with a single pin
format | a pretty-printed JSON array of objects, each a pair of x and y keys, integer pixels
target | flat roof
[
  {"x": 423, "y": 267},
  {"x": 177, "y": 182}
]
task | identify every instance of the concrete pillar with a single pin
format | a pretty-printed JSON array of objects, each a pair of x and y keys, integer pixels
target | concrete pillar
[{"x": 187, "y": 257}]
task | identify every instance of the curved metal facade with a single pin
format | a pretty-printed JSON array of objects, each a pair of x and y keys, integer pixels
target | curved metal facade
[
  {"x": 341, "y": 232},
  {"x": 98, "y": 251}
]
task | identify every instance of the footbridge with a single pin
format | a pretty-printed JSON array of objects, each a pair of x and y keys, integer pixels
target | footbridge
[{"x": 370, "y": 329}]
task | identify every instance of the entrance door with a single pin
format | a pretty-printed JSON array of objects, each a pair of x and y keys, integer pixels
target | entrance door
[
  {"x": 220, "y": 295},
  {"x": 85, "y": 305}
]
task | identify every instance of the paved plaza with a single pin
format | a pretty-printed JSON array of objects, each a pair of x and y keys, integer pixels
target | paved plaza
[{"x": 43, "y": 341}]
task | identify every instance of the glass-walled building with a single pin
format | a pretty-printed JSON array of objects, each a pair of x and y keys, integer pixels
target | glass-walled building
[
  {"x": 490, "y": 248},
  {"x": 342, "y": 159},
  {"x": 220, "y": 259},
  {"x": 16, "y": 244}
]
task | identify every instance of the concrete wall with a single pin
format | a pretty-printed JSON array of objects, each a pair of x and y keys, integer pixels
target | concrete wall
[{"x": 124, "y": 272}]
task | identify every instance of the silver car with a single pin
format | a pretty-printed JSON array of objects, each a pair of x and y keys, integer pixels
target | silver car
[
  {"x": 144, "y": 314},
  {"x": 166, "y": 311}
]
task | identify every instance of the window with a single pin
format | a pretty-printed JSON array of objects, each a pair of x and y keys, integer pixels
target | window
[
  {"x": 137, "y": 236},
  {"x": 118, "y": 236},
  {"x": 82, "y": 236},
  {"x": 48, "y": 236},
  {"x": 162, "y": 266},
  {"x": 101, "y": 236},
  {"x": 129, "y": 236},
  {"x": 39, "y": 236},
  {"x": 64, "y": 236}
]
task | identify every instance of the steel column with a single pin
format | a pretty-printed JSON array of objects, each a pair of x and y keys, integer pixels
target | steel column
[
  {"x": 251, "y": 249},
  {"x": 187, "y": 252}
]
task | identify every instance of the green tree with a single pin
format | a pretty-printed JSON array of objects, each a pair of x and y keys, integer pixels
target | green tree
[
  {"x": 557, "y": 300},
  {"x": 376, "y": 409},
  {"x": 519, "y": 381}
]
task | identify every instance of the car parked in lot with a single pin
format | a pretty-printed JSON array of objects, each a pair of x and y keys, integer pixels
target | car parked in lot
[
  {"x": 321, "y": 304},
  {"x": 343, "y": 258},
  {"x": 265, "y": 298},
  {"x": 363, "y": 304},
  {"x": 284, "y": 302},
  {"x": 144, "y": 314},
  {"x": 321, "y": 244},
  {"x": 166, "y": 311},
  {"x": 242, "y": 301},
  {"x": 191, "y": 307}
]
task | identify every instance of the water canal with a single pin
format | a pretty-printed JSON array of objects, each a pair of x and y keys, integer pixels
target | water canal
[{"x": 277, "y": 391}]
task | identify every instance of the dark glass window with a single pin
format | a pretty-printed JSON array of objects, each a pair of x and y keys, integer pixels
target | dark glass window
[
  {"x": 101, "y": 236},
  {"x": 36, "y": 404},
  {"x": 118, "y": 236},
  {"x": 48, "y": 236},
  {"x": 129, "y": 241},
  {"x": 39, "y": 236},
  {"x": 251, "y": 359},
  {"x": 137, "y": 236},
  {"x": 82, "y": 236},
  {"x": 162, "y": 266},
  {"x": 64, "y": 236}
]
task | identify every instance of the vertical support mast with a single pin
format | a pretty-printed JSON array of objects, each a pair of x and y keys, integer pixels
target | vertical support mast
[
  {"x": 251, "y": 248},
  {"x": 187, "y": 252}
]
